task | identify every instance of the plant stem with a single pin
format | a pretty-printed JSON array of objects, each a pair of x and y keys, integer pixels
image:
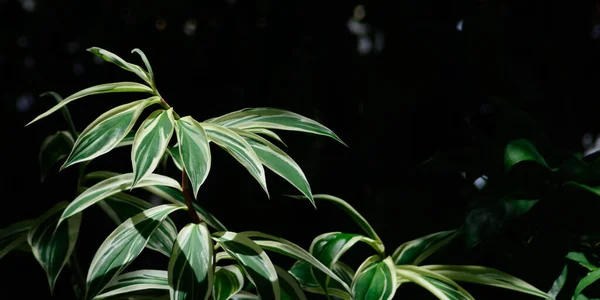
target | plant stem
[{"x": 188, "y": 199}]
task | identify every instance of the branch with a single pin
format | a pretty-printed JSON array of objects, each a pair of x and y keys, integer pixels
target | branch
[{"x": 188, "y": 199}]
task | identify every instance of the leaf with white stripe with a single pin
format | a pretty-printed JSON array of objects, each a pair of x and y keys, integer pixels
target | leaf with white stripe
[
  {"x": 289, "y": 286},
  {"x": 228, "y": 281},
  {"x": 486, "y": 276},
  {"x": 287, "y": 248},
  {"x": 272, "y": 118},
  {"x": 243, "y": 295},
  {"x": 121, "y": 206},
  {"x": 150, "y": 143},
  {"x": 375, "y": 279},
  {"x": 115, "y": 59},
  {"x": 54, "y": 149},
  {"x": 301, "y": 271},
  {"x": 239, "y": 148},
  {"x": 439, "y": 285},
  {"x": 191, "y": 264},
  {"x": 111, "y": 186},
  {"x": 148, "y": 66},
  {"x": 115, "y": 87},
  {"x": 127, "y": 140},
  {"x": 329, "y": 247},
  {"x": 175, "y": 154},
  {"x": 255, "y": 262},
  {"x": 52, "y": 248},
  {"x": 104, "y": 133},
  {"x": 135, "y": 281},
  {"x": 13, "y": 236},
  {"x": 123, "y": 245},
  {"x": 279, "y": 162},
  {"x": 415, "y": 251},
  {"x": 266, "y": 132},
  {"x": 194, "y": 151}
]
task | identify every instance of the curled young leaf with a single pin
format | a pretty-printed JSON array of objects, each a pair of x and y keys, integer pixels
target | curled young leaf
[
  {"x": 228, "y": 281},
  {"x": 375, "y": 279},
  {"x": 115, "y": 59}
]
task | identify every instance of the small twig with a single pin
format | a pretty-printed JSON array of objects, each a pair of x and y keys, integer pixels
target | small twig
[{"x": 188, "y": 199}]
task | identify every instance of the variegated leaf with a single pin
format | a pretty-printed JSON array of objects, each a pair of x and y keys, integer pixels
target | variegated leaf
[
  {"x": 486, "y": 276},
  {"x": 115, "y": 87},
  {"x": 287, "y": 248},
  {"x": 127, "y": 140},
  {"x": 302, "y": 272},
  {"x": 150, "y": 143},
  {"x": 279, "y": 162},
  {"x": 254, "y": 261},
  {"x": 54, "y": 149},
  {"x": 266, "y": 132},
  {"x": 272, "y": 118},
  {"x": 439, "y": 285},
  {"x": 242, "y": 295},
  {"x": 115, "y": 59},
  {"x": 375, "y": 279},
  {"x": 104, "y": 133},
  {"x": 123, "y": 245},
  {"x": 121, "y": 206},
  {"x": 146, "y": 63},
  {"x": 329, "y": 247},
  {"x": 415, "y": 251},
  {"x": 289, "y": 286},
  {"x": 111, "y": 186},
  {"x": 53, "y": 248},
  {"x": 239, "y": 148},
  {"x": 140, "y": 280},
  {"x": 175, "y": 154},
  {"x": 228, "y": 281},
  {"x": 14, "y": 236},
  {"x": 191, "y": 264},
  {"x": 194, "y": 151}
]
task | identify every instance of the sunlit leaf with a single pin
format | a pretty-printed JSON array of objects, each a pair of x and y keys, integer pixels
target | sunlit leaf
[
  {"x": 53, "y": 248},
  {"x": 265, "y": 132},
  {"x": 272, "y": 118},
  {"x": 135, "y": 281},
  {"x": 243, "y": 295},
  {"x": 104, "y": 133},
  {"x": 146, "y": 63},
  {"x": 194, "y": 151},
  {"x": 111, "y": 186},
  {"x": 558, "y": 283},
  {"x": 375, "y": 279},
  {"x": 289, "y": 286},
  {"x": 115, "y": 59},
  {"x": 442, "y": 287},
  {"x": 521, "y": 150},
  {"x": 255, "y": 262},
  {"x": 239, "y": 148},
  {"x": 228, "y": 281},
  {"x": 123, "y": 245},
  {"x": 14, "y": 236},
  {"x": 115, "y": 87},
  {"x": 415, "y": 251},
  {"x": 191, "y": 264},
  {"x": 150, "y": 143},
  {"x": 54, "y": 149}
]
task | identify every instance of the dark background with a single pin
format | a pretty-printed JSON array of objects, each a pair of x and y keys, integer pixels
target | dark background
[{"x": 422, "y": 87}]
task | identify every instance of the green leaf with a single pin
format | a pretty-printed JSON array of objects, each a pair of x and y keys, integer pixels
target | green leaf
[
  {"x": 350, "y": 211},
  {"x": 242, "y": 295},
  {"x": 115, "y": 59},
  {"x": 150, "y": 143},
  {"x": 289, "y": 286},
  {"x": 194, "y": 151},
  {"x": 175, "y": 154},
  {"x": 580, "y": 258},
  {"x": 135, "y": 281},
  {"x": 415, "y": 251},
  {"x": 111, "y": 186},
  {"x": 375, "y": 279},
  {"x": 239, "y": 148},
  {"x": 521, "y": 150},
  {"x": 292, "y": 250},
  {"x": 65, "y": 112},
  {"x": 121, "y": 206},
  {"x": 228, "y": 281},
  {"x": 265, "y": 132},
  {"x": 191, "y": 264},
  {"x": 14, "y": 236},
  {"x": 54, "y": 148},
  {"x": 53, "y": 248},
  {"x": 146, "y": 62},
  {"x": 487, "y": 276},
  {"x": 302, "y": 272},
  {"x": 440, "y": 286},
  {"x": 104, "y": 133},
  {"x": 123, "y": 245},
  {"x": 115, "y": 87},
  {"x": 272, "y": 118},
  {"x": 127, "y": 140},
  {"x": 279, "y": 162},
  {"x": 586, "y": 281},
  {"x": 176, "y": 197},
  {"x": 329, "y": 247},
  {"x": 254, "y": 261},
  {"x": 558, "y": 283}
]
